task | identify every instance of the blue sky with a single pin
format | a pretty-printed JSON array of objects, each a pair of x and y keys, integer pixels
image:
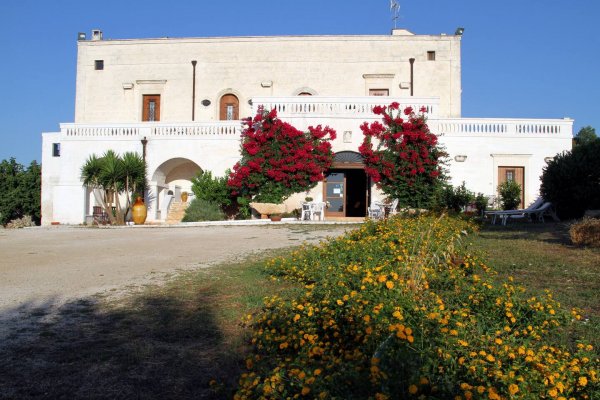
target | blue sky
[{"x": 521, "y": 58}]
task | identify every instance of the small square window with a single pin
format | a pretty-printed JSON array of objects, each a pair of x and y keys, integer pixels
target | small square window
[
  {"x": 99, "y": 65},
  {"x": 431, "y": 55},
  {"x": 55, "y": 149},
  {"x": 379, "y": 92}
]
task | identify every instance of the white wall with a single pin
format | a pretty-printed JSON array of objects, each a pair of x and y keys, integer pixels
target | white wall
[{"x": 286, "y": 65}]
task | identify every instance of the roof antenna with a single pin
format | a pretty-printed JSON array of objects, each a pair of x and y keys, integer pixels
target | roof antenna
[{"x": 395, "y": 10}]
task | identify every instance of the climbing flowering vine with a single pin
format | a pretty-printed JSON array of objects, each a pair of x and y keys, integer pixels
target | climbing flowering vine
[
  {"x": 279, "y": 160},
  {"x": 402, "y": 156}
]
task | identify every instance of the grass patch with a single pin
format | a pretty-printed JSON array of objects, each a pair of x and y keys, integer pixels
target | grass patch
[{"x": 540, "y": 257}]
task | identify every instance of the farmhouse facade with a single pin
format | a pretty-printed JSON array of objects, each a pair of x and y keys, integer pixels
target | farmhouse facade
[{"x": 179, "y": 101}]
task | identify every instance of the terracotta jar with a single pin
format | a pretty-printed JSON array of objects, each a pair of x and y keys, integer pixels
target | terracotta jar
[{"x": 139, "y": 211}]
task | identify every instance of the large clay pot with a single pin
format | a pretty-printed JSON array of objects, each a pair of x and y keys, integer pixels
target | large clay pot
[
  {"x": 139, "y": 211},
  {"x": 184, "y": 197}
]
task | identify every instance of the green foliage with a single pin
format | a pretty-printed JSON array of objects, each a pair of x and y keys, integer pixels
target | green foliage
[
  {"x": 20, "y": 191},
  {"x": 510, "y": 195},
  {"x": 203, "y": 210},
  {"x": 244, "y": 210},
  {"x": 212, "y": 189},
  {"x": 571, "y": 181},
  {"x": 454, "y": 198},
  {"x": 481, "y": 202},
  {"x": 586, "y": 135},
  {"x": 112, "y": 173}
]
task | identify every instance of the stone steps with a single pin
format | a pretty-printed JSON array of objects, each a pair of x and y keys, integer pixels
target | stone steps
[{"x": 176, "y": 212}]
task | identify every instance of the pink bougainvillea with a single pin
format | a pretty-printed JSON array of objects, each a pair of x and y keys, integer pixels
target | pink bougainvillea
[
  {"x": 402, "y": 155},
  {"x": 278, "y": 159}
]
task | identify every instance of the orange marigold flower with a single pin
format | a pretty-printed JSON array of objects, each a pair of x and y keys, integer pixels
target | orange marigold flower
[
  {"x": 512, "y": 388},
  {"x": 389, "y": 284},
  {"x": 305, "y": 390},
  {"x": 582, "y": 381},
  {"x": 413, "y": 389}
]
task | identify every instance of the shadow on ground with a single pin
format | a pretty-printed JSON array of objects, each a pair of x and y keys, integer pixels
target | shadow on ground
[
  {"x": 156, "y": 347},
  {"x": 549, "y": 232}
]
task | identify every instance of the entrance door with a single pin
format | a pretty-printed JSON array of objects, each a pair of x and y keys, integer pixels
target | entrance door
[
  {"x": 516, "y": 174},
  {"x": 335, "y": 194},
  {"x": 346, "y": 191},
  {"x": 229, "y": 108},
  {"x": 151, "y": 107}
]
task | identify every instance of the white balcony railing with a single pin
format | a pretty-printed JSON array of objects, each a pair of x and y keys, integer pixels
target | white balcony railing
[
  {"x": 501, "y": 127},
  {"x": 327, "y": 110},
  {"x": 310, "y": 106},
  {"x": 153, "y": 129}
]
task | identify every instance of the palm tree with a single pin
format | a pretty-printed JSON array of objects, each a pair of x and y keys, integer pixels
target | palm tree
[{"x": 113, "y": 174}]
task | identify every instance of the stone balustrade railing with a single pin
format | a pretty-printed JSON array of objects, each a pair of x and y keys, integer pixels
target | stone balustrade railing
[
  {"x": 501, "y": 127},
  {"x": 153, "y": 129},
  {"x": 307, "y": 106},
  {"x": 343, "y": 109}
]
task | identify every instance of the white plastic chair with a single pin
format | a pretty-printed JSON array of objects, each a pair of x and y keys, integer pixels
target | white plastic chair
[{"x": 376, "y": 211}]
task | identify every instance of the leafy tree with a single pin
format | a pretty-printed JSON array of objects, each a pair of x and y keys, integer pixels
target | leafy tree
[
  {"x": 20, "y": 191},
  {"x": 112, "y": 175},
  {"x": 571, "y": 180},
  {"x": 279, "y": 160},
  {"x": 585, "y": 135},
  {"x": 407, "y": 161}
]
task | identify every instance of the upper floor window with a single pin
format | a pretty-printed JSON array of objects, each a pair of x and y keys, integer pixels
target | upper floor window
[
  {"x": 229, "y": 108},
  {"x": 379, "y": 92},
  {"x": 99, "y": 65},
  {"x": 431, "y": 55},
  {"x": 55, "y": 149},
  {"x": 151, "y": 107}
]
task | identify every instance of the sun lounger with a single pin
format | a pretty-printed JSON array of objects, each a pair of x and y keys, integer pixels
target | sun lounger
[{"x": 503, "y": 214}]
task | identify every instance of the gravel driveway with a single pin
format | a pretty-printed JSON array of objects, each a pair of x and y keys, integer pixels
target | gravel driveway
[{"x": 46, "y": 267}]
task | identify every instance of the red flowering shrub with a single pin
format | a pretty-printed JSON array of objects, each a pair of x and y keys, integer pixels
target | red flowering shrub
[
  {"x": 278, "y": 160},
  {"x": 406, "y": 160}
]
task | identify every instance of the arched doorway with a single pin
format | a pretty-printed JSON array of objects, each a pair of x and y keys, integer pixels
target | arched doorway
[
  {"x": 346, "y": 186},
  {"x": 229, "y": 108},
  {"x": 172, "y": 177}
]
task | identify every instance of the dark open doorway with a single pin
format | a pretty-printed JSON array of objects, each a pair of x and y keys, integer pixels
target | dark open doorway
[{"x": 347, "y": 191}]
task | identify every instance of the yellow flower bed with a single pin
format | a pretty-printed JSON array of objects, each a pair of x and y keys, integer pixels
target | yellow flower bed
[{"x": 400, "y": 309}]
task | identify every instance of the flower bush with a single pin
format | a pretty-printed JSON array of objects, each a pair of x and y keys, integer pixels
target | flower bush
[
  {"x": 386, "y": 313},
  {"x": 279, "y": 160},
  {"x": 406, "y": 162}
]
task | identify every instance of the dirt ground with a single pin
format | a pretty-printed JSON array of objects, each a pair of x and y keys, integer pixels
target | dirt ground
[{"x": 42, "y": 268}]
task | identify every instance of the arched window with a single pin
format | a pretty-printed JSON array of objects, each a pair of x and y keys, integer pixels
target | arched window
[
  {"x": 304, "y": 94},
  {"x": 229, "y": 107}
]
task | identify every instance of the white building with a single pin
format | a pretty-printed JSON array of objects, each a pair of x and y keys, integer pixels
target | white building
[{"x": 184, "y": 98}]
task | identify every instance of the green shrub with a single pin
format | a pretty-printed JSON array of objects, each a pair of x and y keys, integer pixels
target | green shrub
[
  {"x": 212, "y": 189},
  {"x": 454, "y": 198},
  {"x": 586, "y": 232},
  {"x": 510, "y": 195},
  {"x": 571, "y": 181},
  {"x": 202, "y": 210},
  {"x": 481, "y": 202}
]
